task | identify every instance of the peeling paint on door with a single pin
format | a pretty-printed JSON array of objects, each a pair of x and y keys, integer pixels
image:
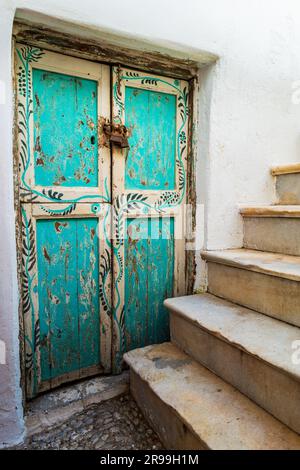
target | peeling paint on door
[
  {"x": 149, "y": 274},
  {"x": 151, "y": 116},
  {"x": 68, "y": 296},
  {"x": 65, "y": 130}
]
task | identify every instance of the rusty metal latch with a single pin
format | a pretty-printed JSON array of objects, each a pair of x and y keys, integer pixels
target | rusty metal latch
[{"x": 115, "y": 134}]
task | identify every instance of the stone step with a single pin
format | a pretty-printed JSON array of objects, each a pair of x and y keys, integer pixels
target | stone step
[
  {"x": 272, "y": 228},
  {"x": 265, "y": 282},
  {"x": 287, "y": 183},
  {"x": 191, "y": 408},
  {"x": 249, "y": 350}
]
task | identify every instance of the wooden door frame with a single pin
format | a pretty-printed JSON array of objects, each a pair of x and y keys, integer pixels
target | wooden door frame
[{"x": 145, "y": 61}]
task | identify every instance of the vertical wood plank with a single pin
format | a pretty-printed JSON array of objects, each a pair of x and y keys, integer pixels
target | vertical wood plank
[
  {"x": 136, "y": 279},
  {"x": 57, "y": 296},
  {"x": 160, "y": 276},
  {"x": 87, "y": 276},
  {"x": 149, "y": 277}
]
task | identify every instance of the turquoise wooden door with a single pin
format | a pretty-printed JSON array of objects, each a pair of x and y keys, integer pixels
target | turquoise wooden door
[
  {"x": 64, "y": 188},
  {"x": 94, "y": 280},
  {"x": 149, "y": 192}
]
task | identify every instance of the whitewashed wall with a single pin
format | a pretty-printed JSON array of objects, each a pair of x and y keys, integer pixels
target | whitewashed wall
[{"x": 247, "y": 121}]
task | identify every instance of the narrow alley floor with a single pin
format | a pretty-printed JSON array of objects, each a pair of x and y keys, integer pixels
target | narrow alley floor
[{"x": 113, "y": 424}]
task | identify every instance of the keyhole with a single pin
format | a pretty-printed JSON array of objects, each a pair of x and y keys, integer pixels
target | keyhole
[{"x": 93, "y": 140}]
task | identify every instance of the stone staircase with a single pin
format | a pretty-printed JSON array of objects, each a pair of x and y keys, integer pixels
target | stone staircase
[{"x": 227, "y": 379}]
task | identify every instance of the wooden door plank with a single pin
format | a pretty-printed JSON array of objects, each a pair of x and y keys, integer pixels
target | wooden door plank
[
  {"x": 136, "y": 292},
  {"x": 87, "y": 276},
  {"x": 57, "y": 296},
  {"x": 160, "y": 276},
  {"x": 149, "y": 278}
]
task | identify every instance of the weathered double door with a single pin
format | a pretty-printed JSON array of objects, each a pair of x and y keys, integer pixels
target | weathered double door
[{"x": 102, "y": 242}]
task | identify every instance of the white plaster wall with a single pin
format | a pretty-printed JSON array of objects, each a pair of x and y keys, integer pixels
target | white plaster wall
[
  {"x": 248, "y": 121},
  {"x": 11, "y": 422}
]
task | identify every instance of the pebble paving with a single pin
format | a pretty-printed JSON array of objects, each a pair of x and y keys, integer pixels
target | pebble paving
[{"x": 114, "y": 424}]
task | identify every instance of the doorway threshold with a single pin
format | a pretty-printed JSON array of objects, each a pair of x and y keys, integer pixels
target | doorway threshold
[{"x": 56, "y": 406}]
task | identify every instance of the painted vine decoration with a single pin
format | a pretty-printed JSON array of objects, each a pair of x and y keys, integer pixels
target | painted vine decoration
[
  {"x": 32, "y": 341},
  {"x": 166, "y": 200},
  {"x": 105, "y": 264},
  {"x": 27, "y": 55},
  {"x": 65, "y": 211}
]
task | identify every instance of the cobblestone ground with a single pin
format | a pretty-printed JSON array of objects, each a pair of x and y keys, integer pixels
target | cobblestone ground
[{"x": 113, "y": 424}]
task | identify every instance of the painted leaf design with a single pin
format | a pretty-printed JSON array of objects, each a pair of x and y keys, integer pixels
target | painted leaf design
[
  {"x": 28, "y": 194},
  {"x": 28, "y": 245},
  {"x": 60, "y": 212},
  {"x": 53, "y": 194},
  {"x": 28, "y": 261},
  {"x": 105, "y": 264},
  {"x": 132, "y": 74},
  {"x": 37, "y": 335},
  {"x": 149, "y": 81}
]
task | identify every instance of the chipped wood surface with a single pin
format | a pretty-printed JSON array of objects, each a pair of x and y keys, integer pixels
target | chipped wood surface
[{"x": 102, "y": 51}]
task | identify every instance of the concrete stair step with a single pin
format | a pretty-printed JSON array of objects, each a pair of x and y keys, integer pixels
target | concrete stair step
[
  {"x": 272, "y": 228},
  {"x": 266, "y": 282},
  {"x": 249, "y": 350},
  {"x": 287, "y": 183},
  {"x": 192, "y": 408}
]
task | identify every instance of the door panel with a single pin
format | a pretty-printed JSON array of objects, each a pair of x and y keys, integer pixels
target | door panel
[
  {"x": 151, "y": 116},
  {"x": 65, "y": 130},
  {"x": 149, "y": 189},
  {"x": 64, "y": 185},
  {"x": 68, "y": 295},
  {"x": 65, "y": 293},
  {"x": 60, "y": 102},
  {"x": 149, "y": 278}
]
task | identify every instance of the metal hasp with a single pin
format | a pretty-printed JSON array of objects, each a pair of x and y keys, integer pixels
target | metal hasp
[{"x": 116, "y": 134}]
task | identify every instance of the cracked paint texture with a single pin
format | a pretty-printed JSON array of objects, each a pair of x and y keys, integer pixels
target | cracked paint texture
[
  {"x": 149, "y": 272},
  {"x": 151, "y": 117},
  {"x": 68, "y": 280},
  {"x": 65, "y": 130}
]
